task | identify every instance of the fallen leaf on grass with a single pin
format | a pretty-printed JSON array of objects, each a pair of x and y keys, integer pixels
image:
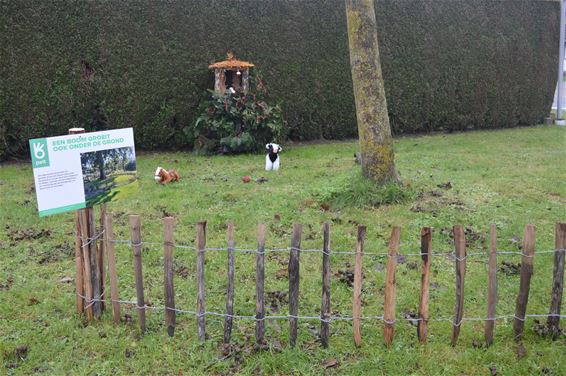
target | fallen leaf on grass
[
  {"x": 521, "y": 351},
  {"x": 477, "y": 344},
  {"x": 329, "y": 363},
  {"x": 33, "y": 301},
  {"x": 282, "y": 273},
  {"x": 182, "y": 271}
]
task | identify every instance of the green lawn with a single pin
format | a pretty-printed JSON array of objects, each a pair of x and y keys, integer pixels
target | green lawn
[
  {"x": 112, "y": 188},
  {"x": 510, "y": 178}
]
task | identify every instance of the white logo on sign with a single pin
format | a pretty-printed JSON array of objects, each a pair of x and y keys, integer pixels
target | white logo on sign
[{"x": 38, "y": 150}]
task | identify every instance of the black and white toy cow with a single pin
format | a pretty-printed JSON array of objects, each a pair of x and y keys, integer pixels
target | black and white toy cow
[{"x": 272, "y": 157}]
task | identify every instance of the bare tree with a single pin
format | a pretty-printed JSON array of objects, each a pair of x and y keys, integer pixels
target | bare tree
[{"x": 376, "y": 143}]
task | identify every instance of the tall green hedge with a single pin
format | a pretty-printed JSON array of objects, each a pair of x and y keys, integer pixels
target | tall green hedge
[{"x": 447, "y": 64}]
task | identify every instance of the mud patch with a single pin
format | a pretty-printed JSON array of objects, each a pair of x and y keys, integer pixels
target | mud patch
[
  {"x": 182, "y": 271},
  {"x": 472, "y": 236},
  {"x": 276, "y": 299},
  {"x": 7, "y": 284},
  {"x": 27, "y": 234},
  {"x": 279, "y": 229},
  {"x": 510, "y": 268},
  {"x": 238, "y": 353},
  {"x": 346, "y": 276},
  {"x": 543, "y": 330},
  {"x": 282, "y": 273},
  {"x": 433, "y": 201},
  {"x": 162, "y": 211},
  {"x": 15, "y": 357},
  {"x": 57, "y": 253}
]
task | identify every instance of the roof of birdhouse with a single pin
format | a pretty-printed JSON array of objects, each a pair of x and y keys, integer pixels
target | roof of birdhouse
[{"x": 231, "y": 63}]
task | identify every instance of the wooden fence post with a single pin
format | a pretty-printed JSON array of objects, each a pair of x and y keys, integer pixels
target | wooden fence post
[
  {"x": 87, "y": 279},
  {"x": 109, "y": 246},
  {"x": 357, "y": 293},
  {"x": 259, "y": 285},
  {"x": 201, "y": 245},
  {"x": 553, "y": 321},
  {"x": 135, "y": 231},
  {"x": 294, "y": 282},
  {"x": 325, "y": 304},
  {"x": 390, "y": 287},
  {"x": 230, "y": 285},
  {"x": 101, "y": 250},
  {"x": 426, "y": 254},
  {"x": 79, "y": 282},
  {"x": 460, "y": 249},
  {"x": 79, "y": 263},
  {"x": 526, "y": 273},
  {"x": 492, "y": 283},
  {"x": 94, "y": 267},
  {"x": 168, "y": 241}
]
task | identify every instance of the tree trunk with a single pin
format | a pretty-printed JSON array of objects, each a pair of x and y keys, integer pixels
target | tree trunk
[
  {"x": 376, "y": 143},
  {"x": 100, "y": 163}
]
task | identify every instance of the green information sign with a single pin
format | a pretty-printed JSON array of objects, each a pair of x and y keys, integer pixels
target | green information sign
[{"x": 82, "y": 170}]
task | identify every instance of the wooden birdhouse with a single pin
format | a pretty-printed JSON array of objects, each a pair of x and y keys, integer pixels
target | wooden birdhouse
[{"x": 231, "y": 76}]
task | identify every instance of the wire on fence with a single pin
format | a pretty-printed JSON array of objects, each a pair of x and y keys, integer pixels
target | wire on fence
[
  {"x": 331, "y": 253},
  {"x": 319, "y": 318},
  {"x": 86, "y": 241}
]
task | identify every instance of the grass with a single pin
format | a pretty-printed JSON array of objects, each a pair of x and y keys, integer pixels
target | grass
[
  {"x": 112, "y": 188},
  {"x": 510, "y": 177}
]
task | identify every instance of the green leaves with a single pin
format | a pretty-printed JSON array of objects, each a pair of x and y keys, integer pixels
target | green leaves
[{"x": 235, "y": 124}]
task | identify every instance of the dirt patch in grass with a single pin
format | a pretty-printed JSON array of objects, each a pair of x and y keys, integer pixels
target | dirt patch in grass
[
  {"x": 182, "y": 271},
  {"x": 435, "y": 201},
  {"x": 276, "y": 299},
  {"x": 162, "y": 211},
  {"x": 472, "y": 236},
  {"x": 15, "y": 357},
  {"x": 236, "y": 352},
  {"x": 7, "y": 284},
  {"x": 57, "y": 253},
  {"x": 510, "y": 268},
  {"x": 27, "y": 234},
  {"x": 346, "y": 276}
]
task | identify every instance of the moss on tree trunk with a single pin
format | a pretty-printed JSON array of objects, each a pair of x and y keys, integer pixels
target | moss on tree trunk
[{"x": 376, "y": 143}]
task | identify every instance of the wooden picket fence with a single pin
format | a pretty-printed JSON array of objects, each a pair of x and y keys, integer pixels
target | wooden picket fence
[{"x": 92, "y": 246}]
